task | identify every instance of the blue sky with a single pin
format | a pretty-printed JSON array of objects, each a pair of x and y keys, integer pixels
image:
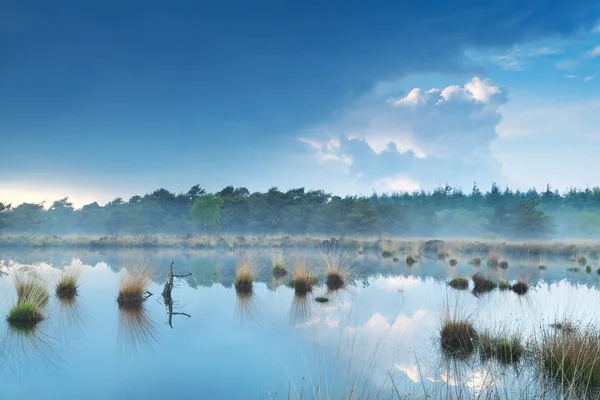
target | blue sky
[{"x": 107, "y": 99}]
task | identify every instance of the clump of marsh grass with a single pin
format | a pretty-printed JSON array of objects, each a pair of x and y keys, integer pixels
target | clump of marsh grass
[
  {"x": 503, "y": 285},
  {"x": 303, "y": 277},
  {"x": 573, "y": 269},
  {"x": 475, "y": 261},
  {"x": 32, "y": 296},
  {"x": 68, "y": 283},
  {"x": 278, "y": 265},
  {"x": 322, "y": 299},
  {"x": 459, "y": 283},
  {"x": 571, "y": 357},
  {"x": 493, "y": 258},
  {"x": 582, "y": 260},
  {"x": 453, "y": 262},
  {"x": 505, "y": 348},
  {"x": 520, "y": 287},
  {"x": 337, "y": 268},
  {"x": 503, "y": 264},
  {"x": 588, "y": 269},
  {"x": 457, "y": 334},
  {"x": 410, "y": 260},
  {"x": 482, "y": 284},
  {"x": 134, "y": 284},
  {"x": 246, "y": 271},
  {"x": 458, "y": 337}
]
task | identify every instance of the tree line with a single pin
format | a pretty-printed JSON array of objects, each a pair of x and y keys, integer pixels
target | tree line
[{"x": 445, "y": 211}]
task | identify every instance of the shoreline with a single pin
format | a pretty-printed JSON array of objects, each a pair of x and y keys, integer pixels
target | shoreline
[{"x": 570, "y": 247}]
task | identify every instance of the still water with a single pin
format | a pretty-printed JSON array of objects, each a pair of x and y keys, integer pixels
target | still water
[{"x": 378, "y": 335}]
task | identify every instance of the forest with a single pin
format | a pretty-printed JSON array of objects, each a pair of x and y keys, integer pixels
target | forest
[{"x": 443, "y": 212}]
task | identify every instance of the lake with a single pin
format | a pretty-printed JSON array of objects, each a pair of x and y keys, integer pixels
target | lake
[{"x": 379, "y": 335}]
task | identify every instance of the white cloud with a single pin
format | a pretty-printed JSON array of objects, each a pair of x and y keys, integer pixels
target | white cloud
[
  {"x": 397, "y": 183},
  {"x": 595, "y": 52},
  {"x": 566, "y": 64},
  {"x": 421, "y": 139},
  {"x": 544, "y": 51},
  {"x": 571, "y": 76},
  {"x": 589, "y": 78},
  {"x": 328, "y": 150}
]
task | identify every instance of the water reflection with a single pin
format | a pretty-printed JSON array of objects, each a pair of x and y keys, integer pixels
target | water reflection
[
  {"x": 23, "y": 348},
  {"x": 136, "y": 329},
  {"x": 301, "y": 309},
  {"x": 72, "y": 316},
  {"x": 248, "y": 308},
  {"x": 384, "y": 324}
]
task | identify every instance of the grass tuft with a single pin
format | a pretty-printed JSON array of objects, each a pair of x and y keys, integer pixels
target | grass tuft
[
  {"x": 246, "y": 271},
  {"x": 520, "y": 288},
  {"x": 503, "y": 264},
  {"x": 303, "y": 277},
  {"x": 503, "y": 285},
  {"x": 506, "y": 349},
  {"x": 483, "y": 284},
  {"x": 571, "y": 357},
  {"x": 458, "y": 337},
  {"x": 453, "y": 262},
  {"x": 475, "y": 261},
  {"x": 134, "y": 284},
  {"x": 322, "y": 299},
  {"x": 32, "y": 295},
  {"x": 278, "y": 265},
  {"x": 68, "y": 284},
  {"x": 337, "y": 269},
  {"x": 459, "y": 283}
]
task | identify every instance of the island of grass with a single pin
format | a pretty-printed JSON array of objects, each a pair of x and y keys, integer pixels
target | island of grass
[
  {"x": 410, "y": 260},
  {"x": 475, "y": 261},
  {"x": 459, "y": 283},
  {"x": 245, "y": 274},
  {"x": 503, "y": 264},
  {"x": 503, "y": 285},
  {"x": 303, "y": 278},
  {"x": 507, "y": 348},
  {"x": 520, "y": 288},
  {"x": 571, "y": 357},
  {"x": 278, "y": 265},
  {"x": 133, "y": 286},
  {"x": 279, "y": 270},
  {"x": 67, "y": 286},
  {"x": 322, "y": 299},
  {"x": 458, "y": 338},
  {"x": 32, "y": 296},
  {"x": 453, "y": 262},
  {"x": 483, "y": 284}
]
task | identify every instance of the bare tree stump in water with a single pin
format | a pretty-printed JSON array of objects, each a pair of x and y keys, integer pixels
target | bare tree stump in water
[{"x": 166, "y": 294}]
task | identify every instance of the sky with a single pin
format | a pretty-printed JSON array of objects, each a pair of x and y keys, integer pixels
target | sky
[{"x": 106, "y": 99}]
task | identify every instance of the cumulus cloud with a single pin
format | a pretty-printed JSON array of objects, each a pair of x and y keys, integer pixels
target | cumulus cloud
[
  {"x": 595, "y": 52},
  {"x": 420, "y": 139}
]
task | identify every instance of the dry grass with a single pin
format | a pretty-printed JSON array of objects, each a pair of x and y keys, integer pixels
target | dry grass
[
  {"x": 493, "y": 258},
  {"x": 458, "y": 337},
  {"x": 459, "y": 283},
  {"x": 246, "y": 271},
  {"x": 278, "y": 265},
  {"x": 483, "y": 284},
  {"x": 303, "y": 277},
  {"x": 68, "y": 283},
  {"x": 337, "y": 266},
  {"x": 571, "y": 357},
  {"x": 32, "y": 296},
  {"x": 135, "y": 280}
]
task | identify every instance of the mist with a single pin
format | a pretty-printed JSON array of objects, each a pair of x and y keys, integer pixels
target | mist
[{"x": 445, "y": 212}]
